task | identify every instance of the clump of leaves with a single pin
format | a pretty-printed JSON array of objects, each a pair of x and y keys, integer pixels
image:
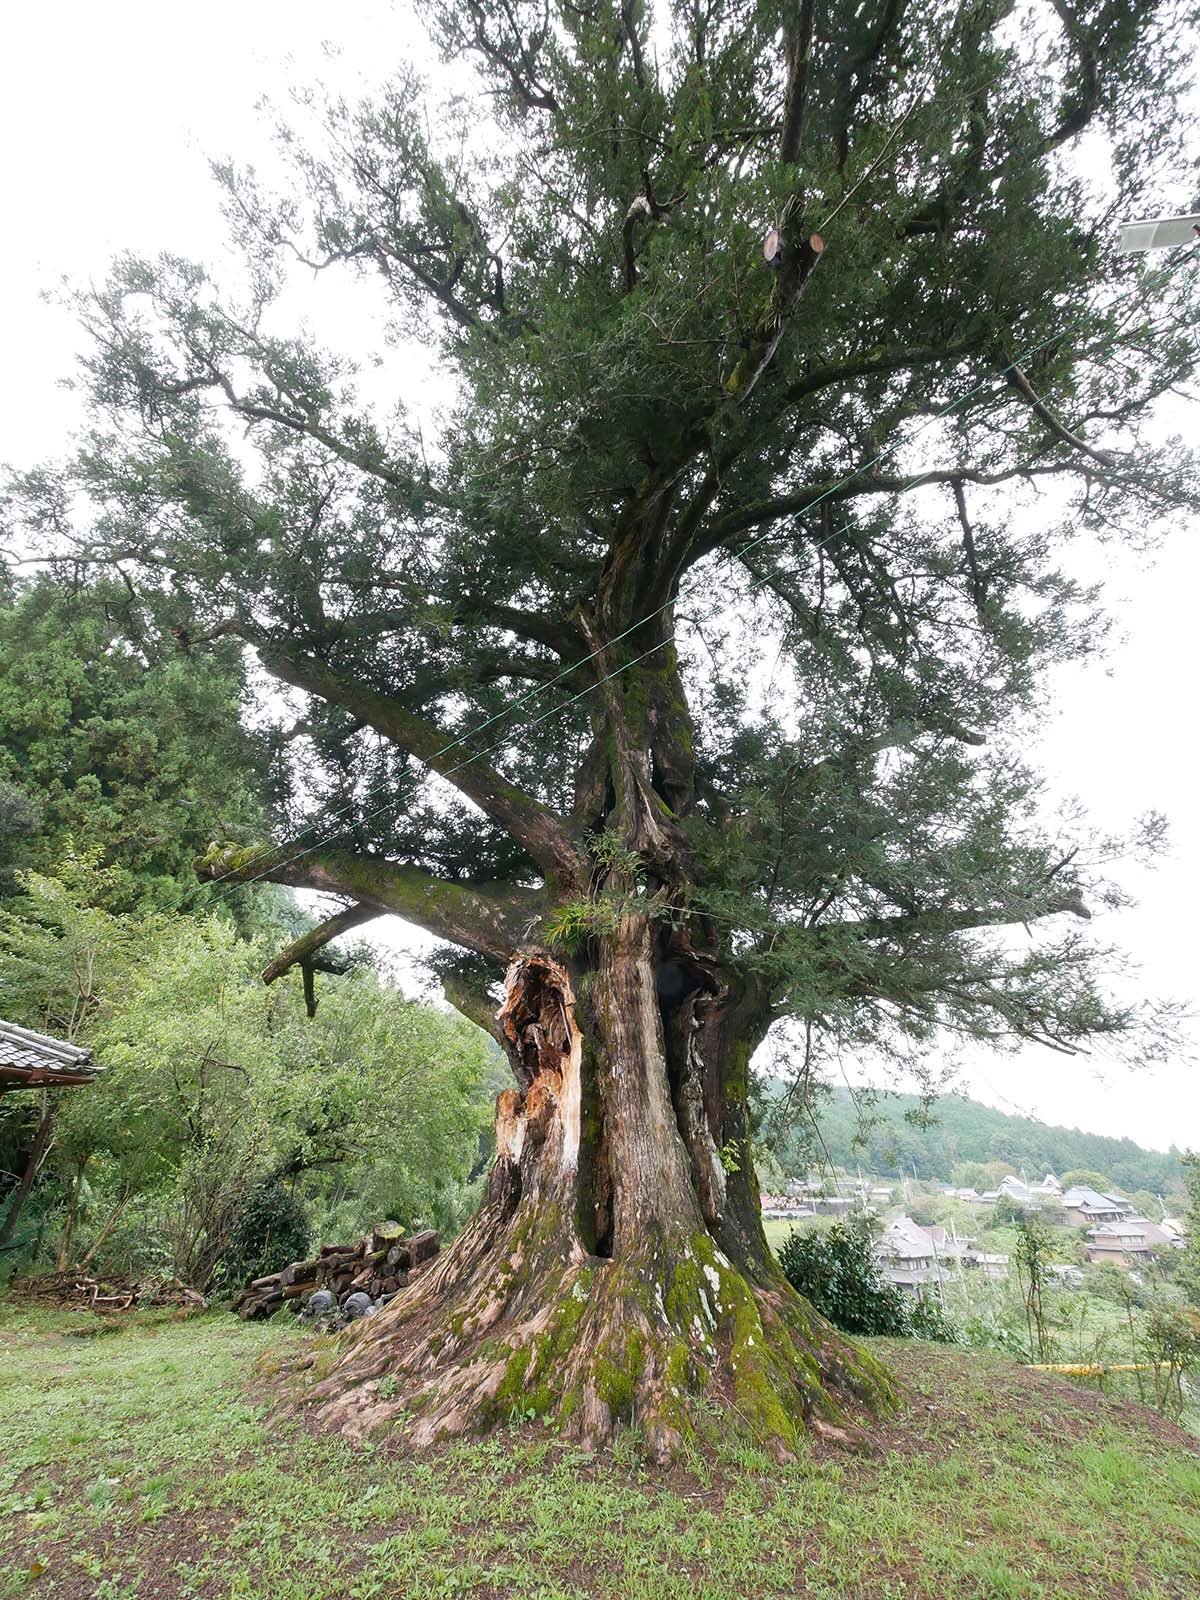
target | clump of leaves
[
  {"x": 929, "y": 1319},
  {"x": 271, "y": 1230},
  {"x": 838, "y": 1274},
  {"x": 1171, "y": 1341},
  {"x": 610, "y": 851},
  {"x": 570, "y": 926}
]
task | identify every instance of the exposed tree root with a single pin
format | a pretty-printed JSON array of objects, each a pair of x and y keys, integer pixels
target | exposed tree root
[
  {"x": 590, "y": 1291},
  {"x": 661, "y": 1341}
]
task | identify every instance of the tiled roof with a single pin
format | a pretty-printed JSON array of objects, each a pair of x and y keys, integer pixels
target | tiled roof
[
  {"x": 1081, "y": 1198},
  {"x": 34, "y": 1060},
  {"x": 906, "y": 1240}
]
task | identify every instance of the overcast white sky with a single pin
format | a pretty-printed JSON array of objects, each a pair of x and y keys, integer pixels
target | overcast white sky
[{"x": 108, "y": 114}]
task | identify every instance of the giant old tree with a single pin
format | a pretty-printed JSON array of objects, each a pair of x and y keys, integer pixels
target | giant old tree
[{"x": 741, "y": 554}]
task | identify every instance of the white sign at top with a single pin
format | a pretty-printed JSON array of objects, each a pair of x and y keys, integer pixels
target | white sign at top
[{"x": 1158, "y": 233}]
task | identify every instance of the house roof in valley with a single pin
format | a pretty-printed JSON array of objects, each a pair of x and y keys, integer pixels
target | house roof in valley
[
  {"x": 906, "y": 1240},
  {"x": 1081, "y": 1198},
  {"x": 31, "y": 1060}
]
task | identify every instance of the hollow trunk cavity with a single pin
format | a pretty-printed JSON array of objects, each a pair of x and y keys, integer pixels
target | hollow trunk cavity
[{"x": 616, "y": 1271}]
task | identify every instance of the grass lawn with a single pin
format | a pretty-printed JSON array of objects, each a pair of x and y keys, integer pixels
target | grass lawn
[
  {"x": 777, "y": 1231},
  {"x": 134, "y": 1462}
]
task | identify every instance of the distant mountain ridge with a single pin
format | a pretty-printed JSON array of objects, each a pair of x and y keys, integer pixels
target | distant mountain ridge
[{"x": 966, "y": 1130}]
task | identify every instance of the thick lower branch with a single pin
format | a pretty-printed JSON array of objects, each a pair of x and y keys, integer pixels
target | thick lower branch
[
  {"x": 546, "y": 836},
  {"x": 491, "y": 920}
]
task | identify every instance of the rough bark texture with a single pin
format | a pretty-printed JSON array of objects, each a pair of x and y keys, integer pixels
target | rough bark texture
[{"x": 616, "y": 1271}]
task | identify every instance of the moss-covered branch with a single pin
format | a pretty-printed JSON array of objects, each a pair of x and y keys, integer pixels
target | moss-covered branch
[
  {"x": 301, "y": 951},
  {"x": 490, "y": 919}
]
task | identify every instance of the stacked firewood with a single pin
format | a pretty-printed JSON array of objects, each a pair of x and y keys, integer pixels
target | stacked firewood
[{"x": 379, "y": 1266}]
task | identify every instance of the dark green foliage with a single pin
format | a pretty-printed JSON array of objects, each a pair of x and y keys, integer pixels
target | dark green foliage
[
  {"x": 928, "y": 1319},
  {"x": 1171, "y": 1340},
  {"x": 1031, "y": 1259},
  {"x": 271, "y": 1230},
  {"x": 116, "y": 741},
  {"x": 1114, "y": 1284},
  {"x": 217, "y": 1088},
  {"x": 837, "y": 1271},
  {"x": 1007, "y": 1210},
  {"x": 19, "y": 818}
]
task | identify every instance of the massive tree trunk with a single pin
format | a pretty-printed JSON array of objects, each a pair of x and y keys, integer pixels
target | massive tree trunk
[{"x": 616, "y": 1271}]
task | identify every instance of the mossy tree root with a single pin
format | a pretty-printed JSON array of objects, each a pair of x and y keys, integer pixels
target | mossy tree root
[
  {"x": 596, "y": 1286},
  {"x": 666, "y": 1341}
]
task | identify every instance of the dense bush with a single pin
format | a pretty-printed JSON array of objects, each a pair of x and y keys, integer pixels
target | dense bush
[
  {"x": 217, "y": 1088},
  {"x": 929, "y": 1319},
  {"x": 837, "y": 1272},
  {"x": 270, "y": 1230}
]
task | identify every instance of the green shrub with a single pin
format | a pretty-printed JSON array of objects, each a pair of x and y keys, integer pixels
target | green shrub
[
  {"x": 837, "y": 1272},
  {"x": 271, "y": 1231},
  {"x": 928, "y": 1319}
]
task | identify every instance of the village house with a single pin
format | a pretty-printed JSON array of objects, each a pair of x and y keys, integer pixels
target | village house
[
  {"x": 785, "y": 1207},
  {"x": 1123, "y": 1244},
  {"x": 970, "y": 1197},
  {"x": 908, "y": 1255},
  {"x": 1129, "y": 1242},
  {"x": 1159, "y": 1237},
  {"x": 1034, "y": 1196},
  {"x": 990, "y": 1266},
  {"x": 31, "y": 1060},
  {"x": 1016, "y": 1189},
  {"x": 1085, "y": 1207}
]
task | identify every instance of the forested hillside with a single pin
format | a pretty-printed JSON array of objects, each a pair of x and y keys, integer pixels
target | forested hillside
[{"x": 886, "y": 1136}]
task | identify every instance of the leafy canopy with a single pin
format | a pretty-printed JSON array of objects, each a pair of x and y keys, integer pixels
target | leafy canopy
[
  {"x": 812, "y": 513},
  {"x": 114, "y": 741}
]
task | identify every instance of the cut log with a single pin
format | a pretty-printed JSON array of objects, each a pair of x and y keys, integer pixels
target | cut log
[
  {"x": 300, "y": 1272},
  {"x": 386, "y": 1234},
  {"x": 378, "y": 1265},
  {"x": 421, "y": 1247}
]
